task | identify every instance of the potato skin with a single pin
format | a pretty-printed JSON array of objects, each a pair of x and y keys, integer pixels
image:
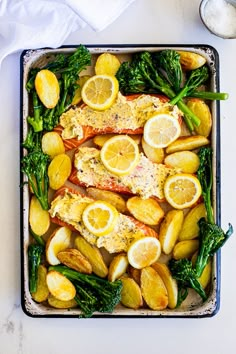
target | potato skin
[
  {"x": 118, "y": 267},
  {"x": 153, "y": 289},
  {"x": 52, "y": 144},
  {"x": 147, "y": 211},
  {"x": 74, "y": 259},
  {"x": 185, "y": 249},
  {"x": 59, "y": 286},
  {"x": 186, "y": 161},
  {"x": 60, "y": 304},
  {"x": 111, "y": 197},
  {"x": 170, "y": 229},
  {"x": 187, "y": 143},
  {"x": 190, "y": 228},
  {"x": 93, "y": 255},
  {"x": 155, "y": 155},
  {"x": 42, "y": 291},
  {"x": 59, "y": 240},
  {"x": 59, "y": 170},
  {"x": 47, "y": 88},
  {"x": 131, "y": 295},
  {"x": 202, "y": 111},
  {"x": 190, "y": 60},
  {"x": 39, "y": 219}
]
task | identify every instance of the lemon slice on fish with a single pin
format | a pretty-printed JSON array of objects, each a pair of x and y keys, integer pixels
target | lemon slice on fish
[
  {"x": 100, "y": 91},
  {"x": 120, "y": 155},
  {"x": 100, "y": 218}
]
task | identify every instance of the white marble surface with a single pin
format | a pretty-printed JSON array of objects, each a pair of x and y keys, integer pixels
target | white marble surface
[{"x": 145, "y": 21}]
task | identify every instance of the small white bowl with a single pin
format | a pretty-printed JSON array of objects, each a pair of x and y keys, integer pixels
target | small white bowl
[{"x": 215, "y": 24}]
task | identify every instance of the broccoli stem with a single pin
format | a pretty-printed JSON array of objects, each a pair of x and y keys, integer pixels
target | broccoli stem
[
  {"x": 34, "y": 258},
  {"x": 205, "y": 95},
  {"x": 36, "y": 121},
  {"x": 38, "y": 239}
]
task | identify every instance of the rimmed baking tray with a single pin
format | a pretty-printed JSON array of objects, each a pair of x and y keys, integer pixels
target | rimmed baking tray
[{"x": 192, "y": 307}]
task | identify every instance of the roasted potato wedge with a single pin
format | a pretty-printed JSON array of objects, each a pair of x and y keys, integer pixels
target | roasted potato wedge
[
  {"x": 47, "y": 88},
  {"x": 185, "y": 249},
  {"x": 190, "y": 60},
  {"x": 59, "y": 286},
  {"x": 170, "y": 229},
  {"x": 58, "y": 241},
  {"x": 117, "y": 267},
  {"x": 52, "y": 144},
  {"x": 131, "y": 295},
  {"x": 59, "y": 170},
  {"x": 186, "y": 161},
  {"x": 93, "y": 255},
  {"x": 135, "y": 274},
  {"x": 205, "y": 278},
  {"x": 107, "y": 64},
  {"x": 153, "y": 289},
  {"x": 74, "y": 259},
  {"x": 155, "y": 155},
  {"x": 42, "y": 291},
  {"x": 202, "y": 111},
  {"x": 111, "y": 197},
  {"x": 60, "y": 304},
  {"x": 147, "y": 211},
  {"x": 170, "y": 283},
  {"x": 187, "y": 143},
  {"x": 39, "y": 219},
  {"x": 190, "y": 228}
]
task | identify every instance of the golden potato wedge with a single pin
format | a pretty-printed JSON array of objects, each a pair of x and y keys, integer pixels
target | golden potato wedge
[
  {"x": 202, "y": 111},
  {"x": 47, "y": 88},
  {"x": 170, "y": 283},
  {"x": 147, "y": 211},
  {"x": 153, "y": 289},
  {"x": 42, "y": 291},
  {"x": 190, "y": 228},
  {"x": 60, "y": 304},
  {"x": 59, "y": 170},
  {"x": 185, "y": 249},
  {"x": 117, "y": 267},
  {"x": 170, "y": 229},
  {"x": 187, "y": 143},
  {"x": 155, "y": 155},
  {"x": 111, "y": 197},
  {"x": 77, "y": 95},
  {"x": 107, "y": 64},
  {"x": 59, "y": 286},
  {"x": 52, "y": 144},
  {"x": 135, "y": 274},
  {"x": 205, "y": 278},
  {"x": 74, "y": 259},
  {"x": 131, "y": 295},
  {"x": 58, "y": 241},
  {"x": 39, "y": 219},
  {"x": 186, "y": 161},
  {"x": 93, "y": 255},
  {"x": 190, "y": 60},
  {"x": 100, "y": 140}
]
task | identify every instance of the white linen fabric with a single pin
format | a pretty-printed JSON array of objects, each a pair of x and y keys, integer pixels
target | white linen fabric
[{"x": 29, "y": 24}]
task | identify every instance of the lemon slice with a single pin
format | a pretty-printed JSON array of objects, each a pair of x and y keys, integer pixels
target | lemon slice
[
  {"x": 161, "y": 130},
  {"x": 120, "y": 155},
  {"x": 100, "y": 218},
  {"x": 143, "y": 252},
  {"x": 182, "y": 190},
  {"x": 100, "y": 91}
]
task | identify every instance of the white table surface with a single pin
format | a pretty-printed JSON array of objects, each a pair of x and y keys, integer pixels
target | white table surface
[{"x": 145, "y": 21}]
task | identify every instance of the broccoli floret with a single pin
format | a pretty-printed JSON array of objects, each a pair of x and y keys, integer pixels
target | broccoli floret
[
  {"x": 35, "y": 165},
  {"x": 94, "y": 294},
  {"x": 34, "y": 258},
  {"x": 182, "y": 270}
]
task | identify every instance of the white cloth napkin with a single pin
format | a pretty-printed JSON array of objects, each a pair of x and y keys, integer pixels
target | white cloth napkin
[{"x": 29, "y": 24}]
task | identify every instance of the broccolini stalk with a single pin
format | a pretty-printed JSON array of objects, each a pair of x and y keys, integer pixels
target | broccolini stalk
[
  {"x": 93, "y": 293},
  {"x": 34, "y": 258},
  {"x": 35, "y": 165},
  {"x": 182, "y": 270},
  {"x": 205, "y": 176},
  {"x": 38, "y": 239},
  {"x": 37, "y": 120},
  {"x": 208, "y": 95},
  {"x": 33, "y": 140},
  {"x": 169, "y": 61},
  {"x": 211, "y": 239},
  {"x": 196, "y": 78}
]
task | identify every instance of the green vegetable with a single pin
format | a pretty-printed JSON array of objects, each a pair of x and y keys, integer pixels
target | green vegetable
[
  {"x": 169, "y": 61},
  {"x": 35, "y": 165},
  {"x": 38, "y": 239},
  {"x": 94, "y": 294},
  {"x": 37, "y": 120},
  {"x": 182, "y": 270},
  {"x": 34, "y": 258},
  {"x": 142, "y": 75},
  {"x": 196, "y": 78},
  {"x": 205, "y": 95},
  {"x": 211, "y": 236},
  {"x": 33, "y": 140},
  {"x": 211, "y": 239}
]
